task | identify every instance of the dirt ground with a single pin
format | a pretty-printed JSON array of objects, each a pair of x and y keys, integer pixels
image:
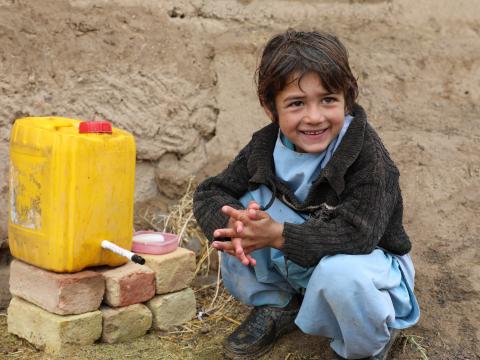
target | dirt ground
[{"x": 418, "y": 64}]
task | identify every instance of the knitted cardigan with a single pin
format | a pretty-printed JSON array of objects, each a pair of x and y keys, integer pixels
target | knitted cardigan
[{"x": 354, "y": 205}]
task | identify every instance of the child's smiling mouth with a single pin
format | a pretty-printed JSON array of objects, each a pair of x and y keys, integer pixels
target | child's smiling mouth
[{"x": 313, "y": 132}]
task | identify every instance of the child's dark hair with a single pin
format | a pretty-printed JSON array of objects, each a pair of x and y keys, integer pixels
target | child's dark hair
[{"x": 298, "y": 52}]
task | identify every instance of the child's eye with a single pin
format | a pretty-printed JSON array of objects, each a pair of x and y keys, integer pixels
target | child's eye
[
  {"x": 329, "y": 100},
  {"x": 296, "y": 103}
]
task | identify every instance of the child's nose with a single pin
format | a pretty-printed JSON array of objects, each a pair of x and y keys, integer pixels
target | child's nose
[{"x": 314, "y": 115}]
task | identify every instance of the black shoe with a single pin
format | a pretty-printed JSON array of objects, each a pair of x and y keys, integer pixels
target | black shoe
[
  {"x": 382, "y": 355},
  {"x": 257, "y": 333}
]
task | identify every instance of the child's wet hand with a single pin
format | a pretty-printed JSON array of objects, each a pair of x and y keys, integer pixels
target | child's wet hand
[
  {"x": 244, "y": 258},
  {"x": 228, "y": 232},
  {"x": 259, "y": 230},
  {"x": 252, "y": 212},
  {"x": 234, "y": 214},
  {"x": 234, "y": 248},
  {"x": 234, "y": 229}
]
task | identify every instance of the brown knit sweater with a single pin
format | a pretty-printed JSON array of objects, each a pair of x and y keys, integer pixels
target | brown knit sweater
[{"x": 354, "y": 205}]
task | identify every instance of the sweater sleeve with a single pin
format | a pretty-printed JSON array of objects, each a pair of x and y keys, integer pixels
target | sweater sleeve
[
  {"x": 223, "y": 189},
  {"x": 354, "y": 226}
]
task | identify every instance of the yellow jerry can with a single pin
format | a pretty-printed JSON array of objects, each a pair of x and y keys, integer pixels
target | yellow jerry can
[{"x": 71, "y": 186}]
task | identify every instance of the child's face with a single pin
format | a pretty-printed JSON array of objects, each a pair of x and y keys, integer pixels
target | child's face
[{"x": 308, "y": 115}]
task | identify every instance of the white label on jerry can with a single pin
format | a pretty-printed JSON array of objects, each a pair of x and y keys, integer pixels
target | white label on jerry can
[{"x": 25, "y": 192}]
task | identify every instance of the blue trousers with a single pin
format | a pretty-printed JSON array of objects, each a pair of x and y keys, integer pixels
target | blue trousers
[{"x": 353, "y": 299}]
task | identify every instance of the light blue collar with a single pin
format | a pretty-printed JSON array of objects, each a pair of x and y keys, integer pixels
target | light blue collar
[{"x": 299, "y": 170}]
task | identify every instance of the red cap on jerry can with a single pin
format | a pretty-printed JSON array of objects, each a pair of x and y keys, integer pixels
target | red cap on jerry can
[{"x": 98, "y": 127}]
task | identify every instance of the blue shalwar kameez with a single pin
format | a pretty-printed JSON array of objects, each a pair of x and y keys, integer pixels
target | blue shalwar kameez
[{"x": 352, "y": 299}]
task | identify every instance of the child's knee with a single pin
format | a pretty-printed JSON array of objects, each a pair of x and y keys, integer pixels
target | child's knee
[{"x": 338, "y": 276}]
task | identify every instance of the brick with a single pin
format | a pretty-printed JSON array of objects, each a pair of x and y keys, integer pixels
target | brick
[
  {"x": 125, "y": 323},
  {"x": 62, "y": 294},
  {"x": 51, "y": 332},
  {"x": 172, "y": 309},
  {"x": 173, "y": 271},
  {"x": 5, "y": 295},
  {"x": 128, "y": 284}
]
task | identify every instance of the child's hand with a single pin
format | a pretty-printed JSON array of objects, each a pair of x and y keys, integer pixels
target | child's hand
[
  {"x": 234, "y": 247},
  {"x": 259, "y": 230}
]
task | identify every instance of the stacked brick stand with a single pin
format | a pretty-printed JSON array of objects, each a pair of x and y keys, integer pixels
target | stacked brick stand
[{"x": 58, "y": 311}]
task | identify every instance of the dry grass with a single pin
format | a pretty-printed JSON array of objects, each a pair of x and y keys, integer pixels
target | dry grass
[
  {"x": 180, "y": 221},
  {"x": 214, "y": 321},
  {"x": 415, "y": 343}
]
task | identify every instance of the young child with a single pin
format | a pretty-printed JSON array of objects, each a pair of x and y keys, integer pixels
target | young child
[{"x": 309, "y": 214}]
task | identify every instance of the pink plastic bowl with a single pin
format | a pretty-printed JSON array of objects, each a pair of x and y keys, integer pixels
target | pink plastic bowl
[{"x": 169, "y": 243}]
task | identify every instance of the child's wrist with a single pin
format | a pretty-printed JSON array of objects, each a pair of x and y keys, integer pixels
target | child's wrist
[{"x": 279, "y": 239}]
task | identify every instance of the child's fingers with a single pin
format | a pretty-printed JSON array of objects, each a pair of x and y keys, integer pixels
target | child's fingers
[
  {"x": 253, "y": 205},
  {"x": 238, "y": 226},
  {"x": 252, "y": 261},
  {"x": 233, "y": 213},
  {"x": 224, "y": 233},
  {"x": 233, "y": 253},
  {"x": 237, "y": 244},
  {"x": 222, "y": 245},
  {"x": 229, "y": 248},
  {"x": 255, "y": 214},
  {"x": 248, "y": 248},
  {"x": 244, "y": 260}
]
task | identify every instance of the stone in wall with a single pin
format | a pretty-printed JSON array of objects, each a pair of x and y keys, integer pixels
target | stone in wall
[
  {"x": 145, "y": 184},
  {"x": 173, "y": 174}
]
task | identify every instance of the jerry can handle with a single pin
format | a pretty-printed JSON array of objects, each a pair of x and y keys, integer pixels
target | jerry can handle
[
  {"x": 59, "y": 126},
  {"x": 60, "y": 123}
]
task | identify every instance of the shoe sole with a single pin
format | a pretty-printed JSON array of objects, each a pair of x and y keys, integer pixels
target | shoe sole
[{"x": 236, "y": 356}]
